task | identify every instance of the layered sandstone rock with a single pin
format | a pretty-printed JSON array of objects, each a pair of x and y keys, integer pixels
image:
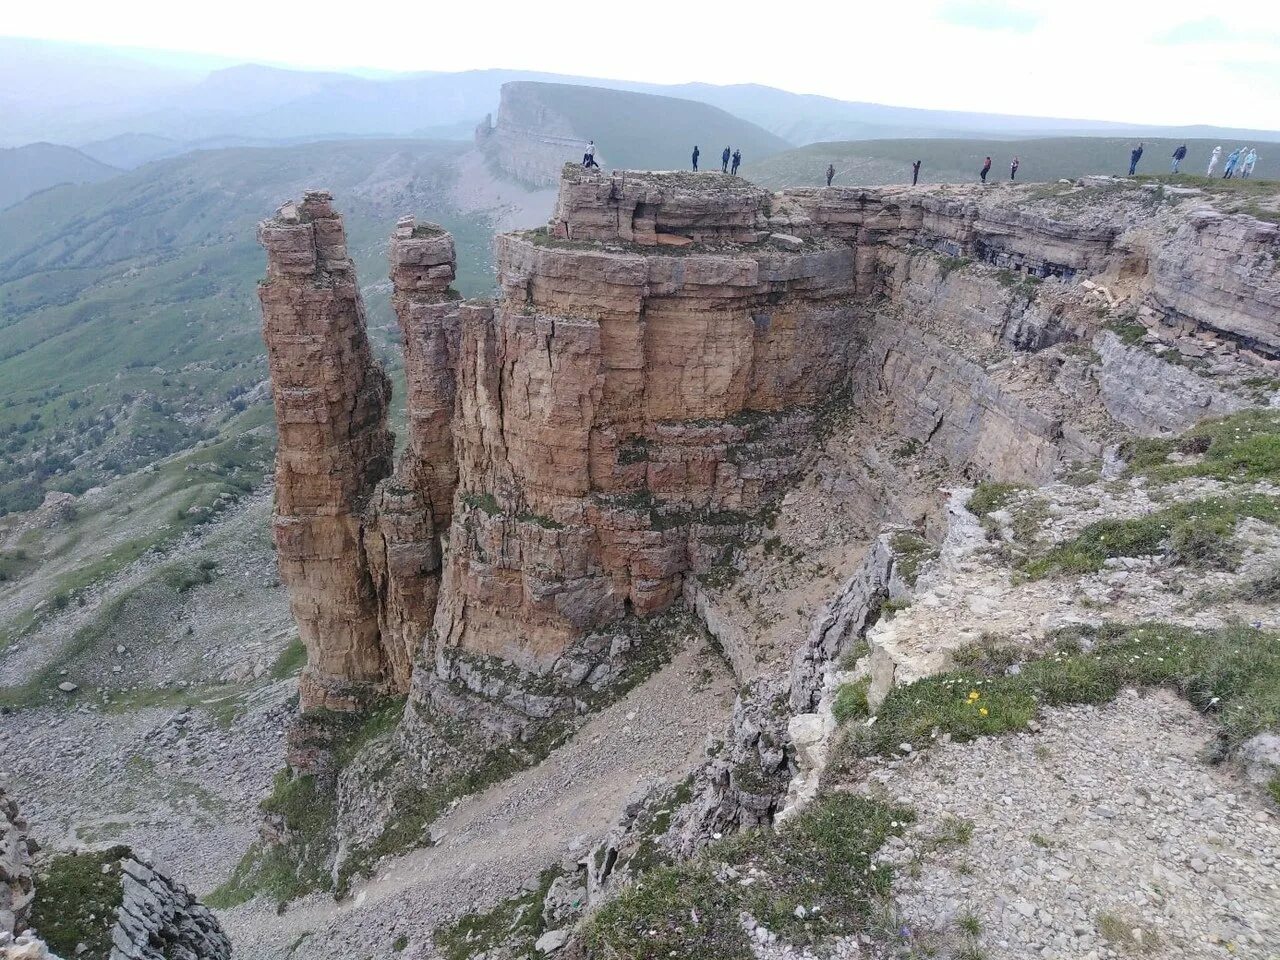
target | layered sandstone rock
[
  {"x": 159, "y": 920},
  {"x": 331, "y": 409},
  {"x": 529, "y": 141},
  {"x": 413, "y": 508},
  {"x": 647, "y": 384},
  {"x": 1222, "y": 273}
]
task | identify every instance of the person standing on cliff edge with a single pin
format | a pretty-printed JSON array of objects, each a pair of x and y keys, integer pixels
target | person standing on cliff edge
[
  {"x": 695, "y": 158},
  {"x": 1178, "y": 156},
  {"x": 986, "y": 168},
  {"x": 589, "y": 158},
  {"x": 915, "y": 173},
  {"x": 737, "y": 159},
  {"x": 1013, "y": 169},
  {"x": 831, "y": 172},
  {"x": 1134, "y": 156},
  {"x": 724, "y": 161},
  {"x": 1213, "y": 160}
]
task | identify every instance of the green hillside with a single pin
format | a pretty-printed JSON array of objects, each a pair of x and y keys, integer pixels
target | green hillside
[
  {"x": 38, "y": 166},
  {"x": 129, "y": 321},
  {"x": 958, "y": 161},
  {"x": 640, "y": 131}
]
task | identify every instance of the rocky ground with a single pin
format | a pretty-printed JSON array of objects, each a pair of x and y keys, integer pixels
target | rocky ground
[
  {"x": 492, "y": 844},
  {"x": 1102, "y": 834}
]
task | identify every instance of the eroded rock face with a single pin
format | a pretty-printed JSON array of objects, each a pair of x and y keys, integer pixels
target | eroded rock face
[
  {"x": 16, "y": 849},
  {"x": 1222, "y": 272},
  {"x": 159, "y": 920},
  {"x": 331, "y": 408},
  {"x": 648, "y": 382},
  {"x": 359, "y": 547}
]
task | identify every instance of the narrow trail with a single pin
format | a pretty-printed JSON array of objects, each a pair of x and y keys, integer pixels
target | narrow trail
[{"x": 496, "y": 841}]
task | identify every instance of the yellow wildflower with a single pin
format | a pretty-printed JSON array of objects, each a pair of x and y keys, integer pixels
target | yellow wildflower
[{"x": 983, "y": 711}]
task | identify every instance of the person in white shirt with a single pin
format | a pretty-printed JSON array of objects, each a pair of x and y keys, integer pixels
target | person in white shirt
[{"x": 1213, "y": 160}]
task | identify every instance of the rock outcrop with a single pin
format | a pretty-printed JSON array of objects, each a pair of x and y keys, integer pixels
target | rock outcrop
[
  {"x": 331, "y": 410},
  {"x": 159, "y": 920},
  {"x": 650, "y": 380},
  {"x": 16, "y": 885}
]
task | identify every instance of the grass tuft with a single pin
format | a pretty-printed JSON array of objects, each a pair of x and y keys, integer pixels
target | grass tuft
[
  {"x": 1197, "y": 533},
  {"x": 1232, "y": 673},
  {"x": 989, "y": 496},
  {"x": 77, "y": 896},
  {"x": 851, "y": 701}
]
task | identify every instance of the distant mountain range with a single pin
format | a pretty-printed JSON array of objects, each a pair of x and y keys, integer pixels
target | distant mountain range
[
  {"x": 84, "y": 95},
  {"x": 38, "y": 166}
]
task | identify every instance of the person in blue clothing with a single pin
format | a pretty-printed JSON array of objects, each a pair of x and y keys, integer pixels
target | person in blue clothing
[
  {"x": 1178, "y": 156},
  {"x": 1247, "y": 163},
  {"x": 695, "y": 158},
  {"x": 1232, "y": 159},
  {"x": 724, "y": 161},
  {"x": 1134, "y": 156},
  {"x": 737, "y": 159}
]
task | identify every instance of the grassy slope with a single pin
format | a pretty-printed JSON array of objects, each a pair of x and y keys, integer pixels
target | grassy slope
[
  {"x": 645, "y": 132},
  {"x": 128, "y": 312},
  {"x": 38, "y": 166},
  {"x": 945, "y": 161}
]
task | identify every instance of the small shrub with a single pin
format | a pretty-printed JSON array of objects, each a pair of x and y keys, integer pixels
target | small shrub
[
  {"x": 1127, "y": 934},
  {"x": 891, "y": 607},
  {"x": 1129, "y": 330}
]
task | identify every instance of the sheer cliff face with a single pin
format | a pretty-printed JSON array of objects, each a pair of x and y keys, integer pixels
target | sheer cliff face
[
  {"x": 646, "y": 386},
  {"x": 616, "y": 412},
  {"x": 331, "y": 408},
  {"x": 358, "y": 547}
]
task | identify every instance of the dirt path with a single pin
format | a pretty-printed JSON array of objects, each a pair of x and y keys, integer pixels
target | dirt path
[{"x": 496, "y": 841}]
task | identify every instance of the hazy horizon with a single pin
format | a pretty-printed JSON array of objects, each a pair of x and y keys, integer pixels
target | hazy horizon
[{"x": 1093, "y": 61}]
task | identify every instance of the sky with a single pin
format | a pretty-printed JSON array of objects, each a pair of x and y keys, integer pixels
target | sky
[{"x": 1169, "y": 62}]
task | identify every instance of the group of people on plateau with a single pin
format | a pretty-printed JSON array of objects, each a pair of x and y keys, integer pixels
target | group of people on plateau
[
  {"x": 1240, "y": 163},
  {"x": 730, "y": 160}
]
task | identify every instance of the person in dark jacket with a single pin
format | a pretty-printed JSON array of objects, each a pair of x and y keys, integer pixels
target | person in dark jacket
[
  {"x": 915, "y": 173},
  {"x": 1178, "y": 156},
  {"x": 831, "y": 172},
  {"x": 986, "y": 168},
  {"x": 1013, "y": 168},
  {"x": 695, "y": 158},
  {"x": 724, "y": 161},
  {"x": 1134, "y": 156},
  {"x": 737, "y": 159}
]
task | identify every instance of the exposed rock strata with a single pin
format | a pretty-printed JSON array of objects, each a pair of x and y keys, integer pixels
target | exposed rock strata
[
  {"x": 331, "y": 408},
  {"x": 650, "y": 380},
  {"x": 159, "y": 920}
]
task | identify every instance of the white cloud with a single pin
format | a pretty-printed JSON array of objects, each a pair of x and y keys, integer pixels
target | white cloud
[{"x": 1090, "y": 59}]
